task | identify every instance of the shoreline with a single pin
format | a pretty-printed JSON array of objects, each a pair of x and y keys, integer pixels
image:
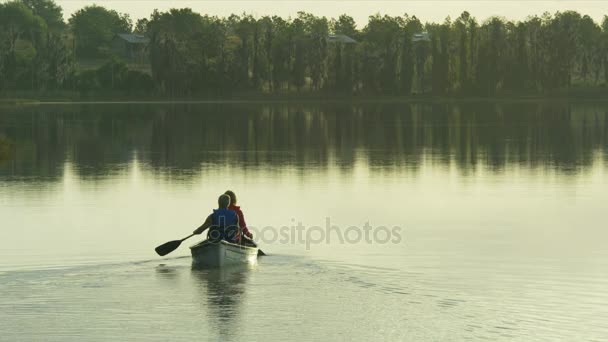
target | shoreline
[{"x": 285, "y": 99}]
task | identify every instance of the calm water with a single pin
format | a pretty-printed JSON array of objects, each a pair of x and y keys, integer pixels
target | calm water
[{"x": 487, "y": 222}]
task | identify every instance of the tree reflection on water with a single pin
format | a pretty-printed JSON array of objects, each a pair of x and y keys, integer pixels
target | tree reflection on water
[{"x": 98, "y": 139}]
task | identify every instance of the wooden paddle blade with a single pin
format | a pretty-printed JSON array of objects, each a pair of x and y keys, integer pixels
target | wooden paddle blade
[
  {"x": 260, "y": 253},
  {"x": 168, "y": 247}
]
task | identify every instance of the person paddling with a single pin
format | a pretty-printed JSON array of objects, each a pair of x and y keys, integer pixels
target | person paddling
[
  {"x": 223, "y": 223},
  {"x": 248, "y": 237}
]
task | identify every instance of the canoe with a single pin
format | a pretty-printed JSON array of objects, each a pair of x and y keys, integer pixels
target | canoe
[{"x": 222, "y": 253}]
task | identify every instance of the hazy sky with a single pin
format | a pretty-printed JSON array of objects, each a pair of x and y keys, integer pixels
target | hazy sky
[{"x": 359, "y": 10}]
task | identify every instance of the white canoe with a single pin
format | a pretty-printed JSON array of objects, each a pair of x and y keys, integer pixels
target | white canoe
[{"x": 222, "y": 253}]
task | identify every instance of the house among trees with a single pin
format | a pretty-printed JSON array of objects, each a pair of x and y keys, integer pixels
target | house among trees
[
  {"x": 131, "y": 47},
  {"x": 340, "y": 38},
  {"x": 423, "y": 36}
]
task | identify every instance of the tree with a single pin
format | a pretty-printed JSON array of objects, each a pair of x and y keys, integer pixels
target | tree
[
  {"x": 382, "y": 46},
  {"x": 298, "y": 42},
  {"x": 141, "y": 26},
  {"x": 316, "y": 30},
  {"x": 265, "y": 62},
  {"x": 279, "y": 42},
  {"x": 20, "y": 30},
  {"x": 343, "y": 66},
  {"x": 564, "y": 31},
  {"x": 604, "y": 48},
  {"x": 192, "y": 53},
  {"x": 589, "y": 35},
  {"x": 94, "y": 27},
  {"x": 465, "y": 28},
  {"x": 52, "y": 64},
  {"x": 490, "y": 58},
  {"x": 176, "y": 54},
  {"x": 49, "y": 11}
]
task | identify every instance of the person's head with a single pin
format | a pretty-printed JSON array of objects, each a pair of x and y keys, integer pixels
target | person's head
[
  {"x": 223, "y": 201},
  {"x": 232, "y": 196}
]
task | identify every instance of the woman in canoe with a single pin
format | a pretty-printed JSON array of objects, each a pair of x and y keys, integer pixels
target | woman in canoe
[
  {"x": 248, "y": 237},
  {"x": 223, "y": 223}
]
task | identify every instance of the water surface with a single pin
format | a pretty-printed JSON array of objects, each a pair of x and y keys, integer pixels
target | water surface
[{"x": 500, "y": 210}]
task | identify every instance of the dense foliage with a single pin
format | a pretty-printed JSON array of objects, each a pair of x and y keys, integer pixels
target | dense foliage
[
  {"x": 192, "y": 54},
  {"x": 94, "y": 27}
]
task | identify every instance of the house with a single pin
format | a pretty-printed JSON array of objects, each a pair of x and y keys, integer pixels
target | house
[
  {"x": 423, "y": 36},
  {"x": 340, "y": 38},
  {"x": 131, "y": 47}
]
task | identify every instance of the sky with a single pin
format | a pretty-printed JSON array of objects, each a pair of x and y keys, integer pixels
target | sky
[{"x": 435, "y": 11}]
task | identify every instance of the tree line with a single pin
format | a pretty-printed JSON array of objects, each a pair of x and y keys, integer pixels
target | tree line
[{"x": 192, "y": 54}]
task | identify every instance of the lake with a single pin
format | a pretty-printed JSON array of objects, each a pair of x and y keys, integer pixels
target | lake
[{"x": 418, "y": 222}]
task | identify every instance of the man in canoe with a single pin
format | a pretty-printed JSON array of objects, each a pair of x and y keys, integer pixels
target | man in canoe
[
  {"x": 246, "y": 236},
  {"x": 223, "y": 223}
]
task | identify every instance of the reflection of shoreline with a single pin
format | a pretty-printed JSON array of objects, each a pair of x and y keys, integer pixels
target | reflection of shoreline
[
  {"x": 5, "y": 149},
  {"x": 222, "y": 292},
  {"x": 179, "y": 139}
]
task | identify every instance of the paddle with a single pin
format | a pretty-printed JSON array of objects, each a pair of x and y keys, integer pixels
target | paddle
[
  {"x": 170, "y": 246},
  {"x": 252, "y": 243}
]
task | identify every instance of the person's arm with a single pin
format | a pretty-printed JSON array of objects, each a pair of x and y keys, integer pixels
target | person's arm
[
  {"x": 238, "y": 226},
  {"x": 243, "y": 225},
  {"x": 203, "y": 227}
]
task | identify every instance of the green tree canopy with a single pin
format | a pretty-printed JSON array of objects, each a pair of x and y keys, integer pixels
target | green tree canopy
[
  {"x": 49, "y": 11},
  {"x": 20, "y": 30},
  {"x": 190, "y": 53},
  {"x": 94, "y": 27}
]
